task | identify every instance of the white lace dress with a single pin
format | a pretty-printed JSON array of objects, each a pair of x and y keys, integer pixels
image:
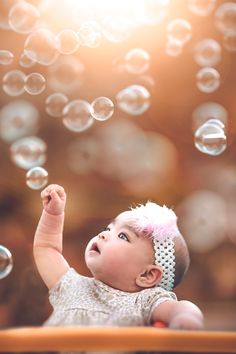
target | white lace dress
[{"x": 79, "y": 300}]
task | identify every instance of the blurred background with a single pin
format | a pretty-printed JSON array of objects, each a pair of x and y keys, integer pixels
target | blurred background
[{"x": 112, "y": 100}]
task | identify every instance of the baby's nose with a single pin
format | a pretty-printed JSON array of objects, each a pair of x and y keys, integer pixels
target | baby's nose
[{"x": 102, "y": 236}]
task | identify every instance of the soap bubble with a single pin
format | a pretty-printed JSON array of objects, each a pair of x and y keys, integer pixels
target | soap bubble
[
  {"x": 225, "y": 17},
  {"x": 67, "y": 42},
  {"x": 210, "y": 138},
  {"x": 18, "y": 118},
  {"x": 90, "y": 34},
  {"x": 102, "y": 108},
  {"x": 55, "y": 104},
  {"x": 137, "y": 61},
  {"x": 40, "y": 46},
  {"x": 23, "y": 17},
  {"x": 6, "y": 57},
  {"x": 13, "y": 83},
  {"x": 25, "y": 61},
  {"x": 208, "y": 80},
  {"x": 28, "y": 152},
  {"x": 207, "y": 52},
  {"x": 77, "y": 115},
  {"x": 201, "y": 7},
  {"x": 134, "y": 99},
  {"x": 35, "y": 83},
  {"x": 6, "y": 262},
  {"x": 36, "y": 178},
  {"x": 179, "y": 30}
]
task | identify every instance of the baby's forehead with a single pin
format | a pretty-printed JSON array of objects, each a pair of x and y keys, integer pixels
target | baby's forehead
[{"x": 126, "y": 216}]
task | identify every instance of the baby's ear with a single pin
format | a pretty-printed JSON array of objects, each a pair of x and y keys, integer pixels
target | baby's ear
[{"x": 150, "y": 277}]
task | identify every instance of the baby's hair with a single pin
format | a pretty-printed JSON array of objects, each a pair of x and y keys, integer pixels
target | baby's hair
[{"x": 170, "y": 249}]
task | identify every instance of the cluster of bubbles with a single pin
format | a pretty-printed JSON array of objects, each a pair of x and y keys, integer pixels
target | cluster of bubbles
[
  {"x": 88, "y": 24},
  {"x": 46, "y": 41}
]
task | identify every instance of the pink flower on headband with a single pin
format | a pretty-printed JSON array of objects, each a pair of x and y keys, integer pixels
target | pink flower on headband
[{"x": 157, "y": 221}]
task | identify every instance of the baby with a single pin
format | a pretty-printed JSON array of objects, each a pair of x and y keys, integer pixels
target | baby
[{"x": 136, "y": 261}]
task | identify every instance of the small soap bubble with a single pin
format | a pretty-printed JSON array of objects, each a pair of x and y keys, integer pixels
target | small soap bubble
[
  {"x": 25, "y": 61},
  {"x": 41, "y": 47},
  {"x": 208, "y": 80},
  {"x": 201, "y": 7},
  {"x": 35, "y": 83},
  {"x": 137, "y": 61},
  {"x": 134, "y": 100},
  {"x": 90, "y": 34},
  {"x": 6, "y": 262},
  {"x": 229, "y": 41},
  {"x": 67, "y": 41},
  {"x": 6, "y": 57},
  {"x": 13, "y": 83},
  {"x": 173, "y": 48},
  {"x": 207, "y": 52},
  {"x": 77, "y": 115},
  {"x": 210, "y": 138},
  {"x": 28, "y": 152},
  {"x": 23, "y": 17},
  {"x": 55, "y": 104},
  {"x": 179, "y": 30},
  {"x": 36, "y": 178},
  {"x": 225, "y": 17},
  {"x": 102, "y": 108}
]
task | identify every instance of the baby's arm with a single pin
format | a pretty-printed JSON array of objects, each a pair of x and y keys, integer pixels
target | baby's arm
[
  {"x": 179, "y": 315},
  {"x": 48, "y": 236}
]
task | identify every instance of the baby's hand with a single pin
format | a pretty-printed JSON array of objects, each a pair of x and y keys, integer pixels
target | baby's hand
[
  {"x": 54, "y": 199},
  {"x": 186, "y": 321}
]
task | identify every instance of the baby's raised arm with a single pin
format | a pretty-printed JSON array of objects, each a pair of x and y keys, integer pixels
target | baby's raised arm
[
  {"x": 48, "y": 236},
  {"x": 179, "y": 315}
]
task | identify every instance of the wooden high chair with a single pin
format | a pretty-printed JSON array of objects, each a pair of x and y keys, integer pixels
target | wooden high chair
[{"x": 156, "y": 338}]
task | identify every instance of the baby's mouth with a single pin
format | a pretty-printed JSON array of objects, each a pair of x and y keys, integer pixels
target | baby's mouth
[{"x": 95, "y": 247}]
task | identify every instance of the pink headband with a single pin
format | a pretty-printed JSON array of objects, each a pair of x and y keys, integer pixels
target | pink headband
[{"x": 159, "y": 223}]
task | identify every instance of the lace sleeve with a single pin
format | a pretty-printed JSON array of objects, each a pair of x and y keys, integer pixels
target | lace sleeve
[
  {"x": 63, "y": 292},
  {"x": 153, "y": 297}
]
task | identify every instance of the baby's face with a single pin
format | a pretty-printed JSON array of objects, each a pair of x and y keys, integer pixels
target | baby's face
[{"x": 118, "y": 254}]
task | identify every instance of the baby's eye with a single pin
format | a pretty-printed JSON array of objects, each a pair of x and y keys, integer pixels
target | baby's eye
[
  {"x": 123, "y": 236},
  {"x": 107, "y": 228}
]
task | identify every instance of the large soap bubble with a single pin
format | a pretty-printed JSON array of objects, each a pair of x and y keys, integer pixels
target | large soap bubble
[
  {"x": 28, "y": 152},
  {"x": 77, "y": 115}
]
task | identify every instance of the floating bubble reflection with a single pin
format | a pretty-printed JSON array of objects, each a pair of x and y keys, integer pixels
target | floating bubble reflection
[
  {"x": 55, "y": 104},
  {"x": 36, "y": 178},
  {"x": 134, "y": 99},
  {"x": 102, "y": 108},
  {"x": 28, "y": 152},
  {"x": 6, "y": 262},
  {"x": 6, "y": 57},
  {"x": 77, "y": 116},
  {"x": 13, "y": 83}
]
